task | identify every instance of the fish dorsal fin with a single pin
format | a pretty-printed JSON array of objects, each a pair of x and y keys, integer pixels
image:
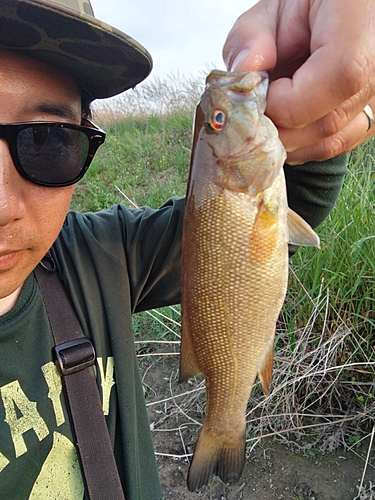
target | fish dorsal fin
[{"x": 300, "y": 232}]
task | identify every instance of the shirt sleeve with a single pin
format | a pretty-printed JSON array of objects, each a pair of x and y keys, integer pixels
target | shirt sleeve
[
  {"x": 314, "y": 187},
  {"x": 152, "y": 241}
]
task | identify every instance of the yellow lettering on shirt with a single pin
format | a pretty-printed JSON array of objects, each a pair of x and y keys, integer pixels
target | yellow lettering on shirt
[
  {"x": 3, "y": 462},
  {"x": 60, "y": 476},
  {"x": 13, "y": 397},
  {"x": 107, "y": 380},
  {"x": 53, "y": 380}
]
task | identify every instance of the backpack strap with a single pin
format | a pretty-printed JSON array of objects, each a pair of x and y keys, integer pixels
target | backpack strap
[{"x": 75, "y": 357}]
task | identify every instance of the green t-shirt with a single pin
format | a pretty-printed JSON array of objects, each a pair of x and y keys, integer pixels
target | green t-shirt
[
  {"x": 114, "y": 263},
  {"x": 36, "y": 447}
]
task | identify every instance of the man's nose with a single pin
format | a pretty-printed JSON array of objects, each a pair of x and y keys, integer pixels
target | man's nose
[{"x": 12, "y": 205}]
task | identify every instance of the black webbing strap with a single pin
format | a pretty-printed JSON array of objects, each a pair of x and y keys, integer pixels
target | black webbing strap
[{"x": 75, "y": 356}]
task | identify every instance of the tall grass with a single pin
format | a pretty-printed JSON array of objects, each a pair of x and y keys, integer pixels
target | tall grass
[
  {"x": 345, "y": 266},
  {"x": 147, "y": 150},
  {"x": 344, "y": 269}
]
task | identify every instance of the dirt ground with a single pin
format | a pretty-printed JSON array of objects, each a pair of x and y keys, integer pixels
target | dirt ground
[
  {"x": 274, "y": 469},
  {"x": 273, "y": 472}
]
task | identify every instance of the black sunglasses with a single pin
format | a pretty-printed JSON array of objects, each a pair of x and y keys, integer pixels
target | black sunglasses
[{"x": 51, "y": 153}]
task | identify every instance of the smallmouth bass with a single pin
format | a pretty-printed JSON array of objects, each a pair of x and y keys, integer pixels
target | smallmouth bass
[{"x": 237, "y": 226}]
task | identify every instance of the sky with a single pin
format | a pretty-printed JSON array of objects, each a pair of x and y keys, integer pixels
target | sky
[{"x": 184, "y": 37}]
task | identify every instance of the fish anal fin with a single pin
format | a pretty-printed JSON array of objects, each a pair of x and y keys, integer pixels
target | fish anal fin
[
  {"x": 300, "y": 232},
  {"x": 265, "y": 372},
  {"x": 188, "y": 359},
  {"x": 219, "y": 455}
]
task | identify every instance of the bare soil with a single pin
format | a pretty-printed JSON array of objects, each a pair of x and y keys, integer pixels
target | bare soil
[
  {"x": 277, "y": 467},
  {"x": 273, "y": 471}
]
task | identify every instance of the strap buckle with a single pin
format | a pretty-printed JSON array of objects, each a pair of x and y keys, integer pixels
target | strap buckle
[{"x": 74, "y": 355}]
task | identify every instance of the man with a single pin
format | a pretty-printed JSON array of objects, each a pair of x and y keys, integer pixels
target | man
[{"x": 55, "y": 58}]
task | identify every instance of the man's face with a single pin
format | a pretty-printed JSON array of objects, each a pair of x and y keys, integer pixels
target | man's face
[{"x": 31, "y": 216}]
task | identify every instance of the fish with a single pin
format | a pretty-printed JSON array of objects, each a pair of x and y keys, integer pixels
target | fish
[{"x": 236, "y": 230}]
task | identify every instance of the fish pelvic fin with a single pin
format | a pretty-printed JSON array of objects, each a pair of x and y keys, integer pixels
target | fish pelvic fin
[
  {"x": 188, "y": 359},
  {"x": 219, "y": 455},
  {"x": 300, "y": 232},
  {"x": 265, "y": 372}
]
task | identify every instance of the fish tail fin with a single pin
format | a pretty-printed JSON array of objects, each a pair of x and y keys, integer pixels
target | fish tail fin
[{"x": 215, "y": 455}]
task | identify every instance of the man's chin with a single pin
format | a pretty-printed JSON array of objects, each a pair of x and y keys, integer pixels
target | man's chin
[{"x": 15, "y": 267}]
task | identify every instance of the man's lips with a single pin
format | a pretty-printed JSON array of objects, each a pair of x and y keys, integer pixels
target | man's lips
[{"x": 8, "y": 258}]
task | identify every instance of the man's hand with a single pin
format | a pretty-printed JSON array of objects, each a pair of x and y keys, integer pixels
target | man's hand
[{"x": 320, "y": 55}]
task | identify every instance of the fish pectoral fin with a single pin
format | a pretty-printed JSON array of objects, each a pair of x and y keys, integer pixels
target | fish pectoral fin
[
  {"x": 188, "y": 359},
  {"x": 300, "y": 232},
  {"x": 265, "y": 373}
]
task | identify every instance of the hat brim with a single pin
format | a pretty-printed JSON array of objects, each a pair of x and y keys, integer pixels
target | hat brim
[{"x": 100, "y": 58}]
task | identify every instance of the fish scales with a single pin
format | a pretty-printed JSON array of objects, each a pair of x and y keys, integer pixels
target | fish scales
[
  {"x": 234, "y": 263},
  {"x": 227, "y": 273}
]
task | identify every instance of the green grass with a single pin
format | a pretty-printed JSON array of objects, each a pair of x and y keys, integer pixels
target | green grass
[
  {"x": 145, "y": 157},
  {"x": 146, "y": 153},
  {"x": 344, "y": 268}
]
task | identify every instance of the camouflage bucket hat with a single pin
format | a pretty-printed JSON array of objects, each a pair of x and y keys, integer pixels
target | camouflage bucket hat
[{"x": 65, "y": 33}]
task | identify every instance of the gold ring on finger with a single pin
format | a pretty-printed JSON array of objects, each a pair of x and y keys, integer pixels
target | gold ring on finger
[{"x": 370, "y": 116}]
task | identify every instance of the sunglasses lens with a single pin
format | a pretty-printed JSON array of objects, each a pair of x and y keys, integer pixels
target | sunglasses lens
[{"x": 52, "y": 155}]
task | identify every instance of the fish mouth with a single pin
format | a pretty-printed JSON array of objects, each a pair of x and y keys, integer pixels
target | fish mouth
[
  {"x": 242, "y": 155},
  {"x": 246, "y": 153}
]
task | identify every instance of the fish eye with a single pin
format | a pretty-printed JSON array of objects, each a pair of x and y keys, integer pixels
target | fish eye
[{"x": 217, "y": 120}]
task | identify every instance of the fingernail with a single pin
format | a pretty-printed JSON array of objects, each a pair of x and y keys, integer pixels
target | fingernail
[
  {"x": 243, "y": 62},
  {"x": 238, "y": 60}
]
